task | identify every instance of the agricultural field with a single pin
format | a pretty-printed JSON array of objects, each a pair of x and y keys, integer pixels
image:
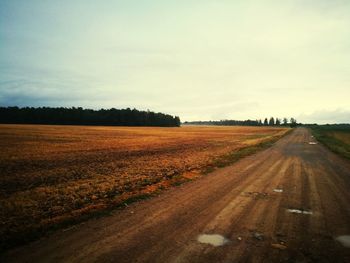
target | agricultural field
[
  {"x": 51, "y": 176},
  {"x": 335, "y": 137}
]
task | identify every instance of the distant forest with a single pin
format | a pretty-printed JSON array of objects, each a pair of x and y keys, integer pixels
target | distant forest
[
  {"x": 267, "y": 122},
  {"x": 80, "y": 116}
]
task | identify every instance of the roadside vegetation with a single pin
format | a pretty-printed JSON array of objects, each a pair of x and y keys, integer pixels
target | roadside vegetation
[
  {"x": 336, "y": 137},
  {"x": 52, "y": 176}
]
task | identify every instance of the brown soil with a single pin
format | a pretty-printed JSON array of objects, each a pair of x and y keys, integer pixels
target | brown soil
[{"x": 237, "y": 202}]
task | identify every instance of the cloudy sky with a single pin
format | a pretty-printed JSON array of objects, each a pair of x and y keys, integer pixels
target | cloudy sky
[{"x": 199, "y": 59}]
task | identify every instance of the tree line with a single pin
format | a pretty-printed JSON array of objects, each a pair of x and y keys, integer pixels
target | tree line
[
  {"x": 80, "y": 116},
  {"x": 292, "y": 122}
]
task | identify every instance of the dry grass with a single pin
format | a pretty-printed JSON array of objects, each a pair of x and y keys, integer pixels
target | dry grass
[
  {"x": 343, "y": 136},
  {"x": 50, "y": 175},
  {"x": 335, "y": 137}
]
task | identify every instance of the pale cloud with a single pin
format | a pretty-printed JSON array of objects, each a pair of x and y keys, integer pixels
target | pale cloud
[
  {"x": 197, "y": 59},
  {"x": 326, "y": 116}
]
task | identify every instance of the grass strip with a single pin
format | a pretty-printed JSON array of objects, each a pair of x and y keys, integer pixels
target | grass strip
[{"x": 332, "y": 143}]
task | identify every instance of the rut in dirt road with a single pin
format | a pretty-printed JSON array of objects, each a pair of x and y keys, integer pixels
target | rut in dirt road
[{"x": 290, "y": 203}]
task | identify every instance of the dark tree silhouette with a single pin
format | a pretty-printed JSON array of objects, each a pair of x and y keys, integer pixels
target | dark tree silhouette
[
  {"x": 266, "y": 122},
  {"x": 80, "y": 116},
  {"x": 278, "y": 121},
  {"x": 293, "y": 122}
]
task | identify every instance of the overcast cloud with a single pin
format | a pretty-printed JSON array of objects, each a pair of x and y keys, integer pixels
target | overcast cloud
[{"x": 196, "y": 59}]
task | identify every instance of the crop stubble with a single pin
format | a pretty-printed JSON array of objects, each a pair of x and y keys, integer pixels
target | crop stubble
[{"x": 51, "y": 175}]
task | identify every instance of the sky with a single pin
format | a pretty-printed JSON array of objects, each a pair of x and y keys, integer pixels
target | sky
[{"x": 198, "y": 59}]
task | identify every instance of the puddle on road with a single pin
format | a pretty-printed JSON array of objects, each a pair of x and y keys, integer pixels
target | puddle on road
[
  {"x": 344, "y": 240},
  {"x": 214, "y": 240},
  {"x": 298, "y": 211},
  {"x": 278, "y": 190},
  {"x": 312, "y": 143}
]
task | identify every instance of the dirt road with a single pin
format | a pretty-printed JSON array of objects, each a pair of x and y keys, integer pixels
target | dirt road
[{"x": 237, "y": 202}]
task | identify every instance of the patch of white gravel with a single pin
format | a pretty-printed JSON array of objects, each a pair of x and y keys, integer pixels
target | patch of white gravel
[
  {"x": 344, "y": 240},
  {"x": 278, "y": 190},
  {"x": 214, "y": 240},
  {"x": 298, "y": 211}
]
